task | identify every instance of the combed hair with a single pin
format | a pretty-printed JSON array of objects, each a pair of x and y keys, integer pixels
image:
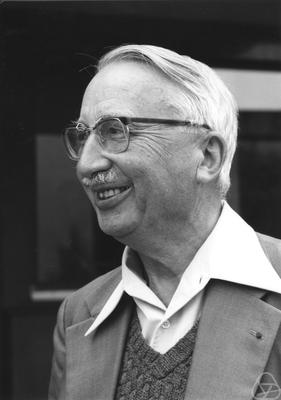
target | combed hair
[{"x": 208, "y": 100}]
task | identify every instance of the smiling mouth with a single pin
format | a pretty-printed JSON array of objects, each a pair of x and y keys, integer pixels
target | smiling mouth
[{"x": 108, "y": 193}]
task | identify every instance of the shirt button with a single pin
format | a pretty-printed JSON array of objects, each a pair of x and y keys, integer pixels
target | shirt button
[{"x": 166, "y": 324}]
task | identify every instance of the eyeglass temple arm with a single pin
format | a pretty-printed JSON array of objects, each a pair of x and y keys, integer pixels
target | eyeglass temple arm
[{"x": 175, "y": 122}]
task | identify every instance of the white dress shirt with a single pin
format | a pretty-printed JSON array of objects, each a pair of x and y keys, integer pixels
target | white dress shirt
[{"x": 231, "y": 252}]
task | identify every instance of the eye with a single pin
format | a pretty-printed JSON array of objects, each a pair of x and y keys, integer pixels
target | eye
[{"x": 111, "y": 130}]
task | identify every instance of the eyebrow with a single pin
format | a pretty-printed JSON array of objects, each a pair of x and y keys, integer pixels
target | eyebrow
[{"x": 81, "y": 121}]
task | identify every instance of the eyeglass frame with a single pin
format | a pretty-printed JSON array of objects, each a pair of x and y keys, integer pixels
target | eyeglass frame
[{"x": 125, "y": 121}]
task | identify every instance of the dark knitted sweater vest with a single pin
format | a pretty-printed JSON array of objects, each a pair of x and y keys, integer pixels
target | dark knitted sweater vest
[{"x": 148, "y": 375}]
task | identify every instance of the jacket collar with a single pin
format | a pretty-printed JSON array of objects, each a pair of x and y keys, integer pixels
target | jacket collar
[{"x": 102, "y": 291}]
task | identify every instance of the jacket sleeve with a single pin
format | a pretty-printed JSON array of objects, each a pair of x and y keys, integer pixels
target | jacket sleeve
[{"x": 58, "y": 371}]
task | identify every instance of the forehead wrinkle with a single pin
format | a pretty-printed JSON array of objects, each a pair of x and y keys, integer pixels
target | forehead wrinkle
[
  {"x": 156, "y": 100},
  {"x": 104, "y": 110},
  {"x": 149, "y": 95}
]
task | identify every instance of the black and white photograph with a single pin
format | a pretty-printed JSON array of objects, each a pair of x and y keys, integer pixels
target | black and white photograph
[{"x": 140, "y": 197}]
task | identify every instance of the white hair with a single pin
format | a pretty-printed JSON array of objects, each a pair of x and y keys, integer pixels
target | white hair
[{"x": 208, "y": 100}]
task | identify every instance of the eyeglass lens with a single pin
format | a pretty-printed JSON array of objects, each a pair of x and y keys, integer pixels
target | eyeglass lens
[
  {"x": 75, "y": 140},
  {"x": 112, "y": 136}
]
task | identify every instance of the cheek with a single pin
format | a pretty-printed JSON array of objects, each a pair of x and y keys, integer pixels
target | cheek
[
  {"x": 157, "y": 166},
  {"x": 152, "y": 149}
]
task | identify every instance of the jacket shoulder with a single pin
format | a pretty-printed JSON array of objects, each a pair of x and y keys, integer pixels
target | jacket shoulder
[
  {"x": 272, "y": 248},
  {"x": 78, "y": 305}
]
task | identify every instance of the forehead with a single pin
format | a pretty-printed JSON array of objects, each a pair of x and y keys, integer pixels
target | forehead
[{"x": 131, "y": 89}]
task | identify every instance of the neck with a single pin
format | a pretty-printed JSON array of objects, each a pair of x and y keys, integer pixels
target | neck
[{"x": 167, "y": 254}]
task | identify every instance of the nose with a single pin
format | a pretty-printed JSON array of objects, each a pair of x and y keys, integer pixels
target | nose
[{"x": 92, "y": 159}]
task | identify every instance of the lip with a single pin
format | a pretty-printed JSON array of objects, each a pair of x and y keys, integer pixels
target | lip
[{"x": 113, "y": 201}]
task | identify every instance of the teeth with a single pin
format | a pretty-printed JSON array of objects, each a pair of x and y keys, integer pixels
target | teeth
[{"x": 110, "y": 193}]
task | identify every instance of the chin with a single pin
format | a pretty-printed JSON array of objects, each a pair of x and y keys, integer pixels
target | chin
[{"x": 117, "y": 229}]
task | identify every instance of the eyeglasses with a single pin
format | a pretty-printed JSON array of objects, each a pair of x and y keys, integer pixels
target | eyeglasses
[{"x": 114, "y": 133}]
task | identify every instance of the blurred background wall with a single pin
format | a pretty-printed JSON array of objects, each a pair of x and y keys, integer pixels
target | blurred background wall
[{"x": 50, "y": 242}]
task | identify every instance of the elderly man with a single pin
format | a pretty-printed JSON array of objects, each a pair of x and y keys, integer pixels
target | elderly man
[{"x": 194, "y": 310}]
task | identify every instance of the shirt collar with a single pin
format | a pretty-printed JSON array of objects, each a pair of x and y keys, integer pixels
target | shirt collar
[
  {"x": 193, "y": 280},
  {"x": 231, "y": 252}
]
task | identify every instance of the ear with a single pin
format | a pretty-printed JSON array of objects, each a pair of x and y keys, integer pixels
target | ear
[{"x": 213, "y": 155}]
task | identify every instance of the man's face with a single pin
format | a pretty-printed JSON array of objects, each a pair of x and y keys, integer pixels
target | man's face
[{"x": 152, "y": 184}]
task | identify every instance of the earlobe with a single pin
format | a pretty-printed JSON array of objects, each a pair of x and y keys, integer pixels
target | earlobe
[{"x": 213, "y": 152}]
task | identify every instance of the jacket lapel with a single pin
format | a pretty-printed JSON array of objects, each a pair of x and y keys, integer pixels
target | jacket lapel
[
  {"x": 229, "y": 357},
  {"x": 94, "y": 361}
]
